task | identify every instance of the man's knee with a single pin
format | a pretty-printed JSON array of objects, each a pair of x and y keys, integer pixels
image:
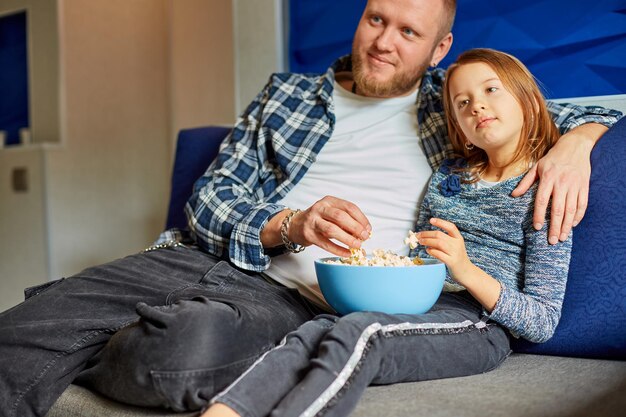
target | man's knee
[
  {"x": 174, "y": 356},
  {"x": 194, "y": 333}
]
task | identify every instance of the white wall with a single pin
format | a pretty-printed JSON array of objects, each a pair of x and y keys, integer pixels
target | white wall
[
  {"x": 23, "y": 255},
  {"x": 259, "y": 46},
  {"x": 202, "y": 76},
  {"x": 108, "y": 182}
]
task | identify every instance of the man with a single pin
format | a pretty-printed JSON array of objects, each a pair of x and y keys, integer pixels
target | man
[{"x": 172, "y": 326}]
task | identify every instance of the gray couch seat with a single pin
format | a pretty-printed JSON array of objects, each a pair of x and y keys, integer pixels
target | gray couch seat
[{"x": 524, "y": 385}]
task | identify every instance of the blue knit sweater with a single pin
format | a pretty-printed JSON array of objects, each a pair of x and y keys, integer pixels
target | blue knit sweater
[{"x": 500, "y": 239}]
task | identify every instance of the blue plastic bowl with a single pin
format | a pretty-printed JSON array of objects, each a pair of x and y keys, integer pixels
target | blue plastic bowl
[{"x": 392, "y": 289}]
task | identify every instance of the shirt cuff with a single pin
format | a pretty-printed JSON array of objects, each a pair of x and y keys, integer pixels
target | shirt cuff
[
  {"x": 245, "y": 248},
  {"x": 503, "y": 308}
]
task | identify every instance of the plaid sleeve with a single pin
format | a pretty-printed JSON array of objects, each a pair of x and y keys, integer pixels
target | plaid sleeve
[
  {"x": 568, "y": 116},
  {"x": 225, "y": 211},
  {"x": 432, "y": 124},
  {"x": 172, "y": 235}
]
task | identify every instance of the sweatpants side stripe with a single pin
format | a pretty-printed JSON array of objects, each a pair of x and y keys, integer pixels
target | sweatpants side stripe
[{"x": 331, "y": 391}]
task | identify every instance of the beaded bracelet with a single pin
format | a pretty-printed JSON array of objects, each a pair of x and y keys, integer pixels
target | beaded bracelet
[{"x": 284, "y": 228}]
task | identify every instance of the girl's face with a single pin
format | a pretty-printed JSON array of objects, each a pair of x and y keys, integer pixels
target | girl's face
[{"x": 489, "y": 116}]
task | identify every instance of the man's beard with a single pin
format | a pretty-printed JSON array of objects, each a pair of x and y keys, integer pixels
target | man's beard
[{"x": 400, "y": 84}]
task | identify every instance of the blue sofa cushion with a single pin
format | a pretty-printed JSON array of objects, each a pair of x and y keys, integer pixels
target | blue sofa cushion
[
  {"x": 196, "y": 148},
  {"x": 593, "y": 322}
]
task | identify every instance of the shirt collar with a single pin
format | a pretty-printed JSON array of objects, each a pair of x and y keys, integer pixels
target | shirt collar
[{"x": 431, "y": 88}]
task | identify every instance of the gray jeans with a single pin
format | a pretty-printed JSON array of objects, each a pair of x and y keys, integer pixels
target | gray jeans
[
  {"x": 168, "y": 328},
  {"x": 323, "y": 367}
]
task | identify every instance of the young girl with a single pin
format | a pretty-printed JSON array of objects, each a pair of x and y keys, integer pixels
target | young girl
[{"x": 504, "y": 277}]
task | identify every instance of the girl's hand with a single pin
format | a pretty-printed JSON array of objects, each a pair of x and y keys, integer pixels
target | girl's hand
[{"x": 448, "y": 247}]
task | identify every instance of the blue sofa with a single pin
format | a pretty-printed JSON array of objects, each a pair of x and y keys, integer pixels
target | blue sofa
[{"x": 581, "y": 371}]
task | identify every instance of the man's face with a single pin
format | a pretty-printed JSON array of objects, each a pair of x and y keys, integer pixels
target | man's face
[{"x": 395, "y": 43}]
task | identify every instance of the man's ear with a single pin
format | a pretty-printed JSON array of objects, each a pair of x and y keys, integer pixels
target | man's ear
[{"x": 442, "y": 48}]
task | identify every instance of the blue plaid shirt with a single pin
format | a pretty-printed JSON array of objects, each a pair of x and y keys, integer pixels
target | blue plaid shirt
[{"x": 276, "y": 140}]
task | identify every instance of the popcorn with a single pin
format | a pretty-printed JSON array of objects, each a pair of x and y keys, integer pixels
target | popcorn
[
  {"x": 411, "y": 240},
  {"x": 381, "y": 257}
]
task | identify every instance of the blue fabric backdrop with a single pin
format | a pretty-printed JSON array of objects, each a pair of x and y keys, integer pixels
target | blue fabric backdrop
[
  {"x": 574, "y": 48},
  {"x": 13, "y": 75}
]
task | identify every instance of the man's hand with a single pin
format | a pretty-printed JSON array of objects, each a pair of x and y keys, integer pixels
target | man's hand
[
  {"x": 564, "y": 176},
  {"x": 331, "y": 218},
  {"x": 328, "y": 219}
]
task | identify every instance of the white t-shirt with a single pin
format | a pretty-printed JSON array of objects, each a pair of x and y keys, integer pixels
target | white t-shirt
[{"x": 374, "y": 160}]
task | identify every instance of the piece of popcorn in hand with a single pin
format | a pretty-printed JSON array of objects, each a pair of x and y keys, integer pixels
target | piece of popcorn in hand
[
  {"x": 412, "y": 240},
  {"x": 357, "y": 253}
]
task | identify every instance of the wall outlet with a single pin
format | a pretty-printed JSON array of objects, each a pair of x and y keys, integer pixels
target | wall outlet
[{"x": 19, "y": 180}]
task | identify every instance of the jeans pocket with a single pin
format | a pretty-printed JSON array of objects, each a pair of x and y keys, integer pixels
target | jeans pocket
[
  {"x": 224, "y": 278},
  {"x": 217, "y": 274},
  {"x": 38, "y": 289}
]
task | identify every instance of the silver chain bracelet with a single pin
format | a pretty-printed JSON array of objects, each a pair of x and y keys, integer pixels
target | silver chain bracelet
[
  {"x": 284, "y": 229},
  {"x": 168, "y": 244}
]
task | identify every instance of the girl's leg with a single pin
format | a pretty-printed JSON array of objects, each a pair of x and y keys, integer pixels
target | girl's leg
[
  {"x": 364, "y": 348},
  {"x": 257, "y": 391}
]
